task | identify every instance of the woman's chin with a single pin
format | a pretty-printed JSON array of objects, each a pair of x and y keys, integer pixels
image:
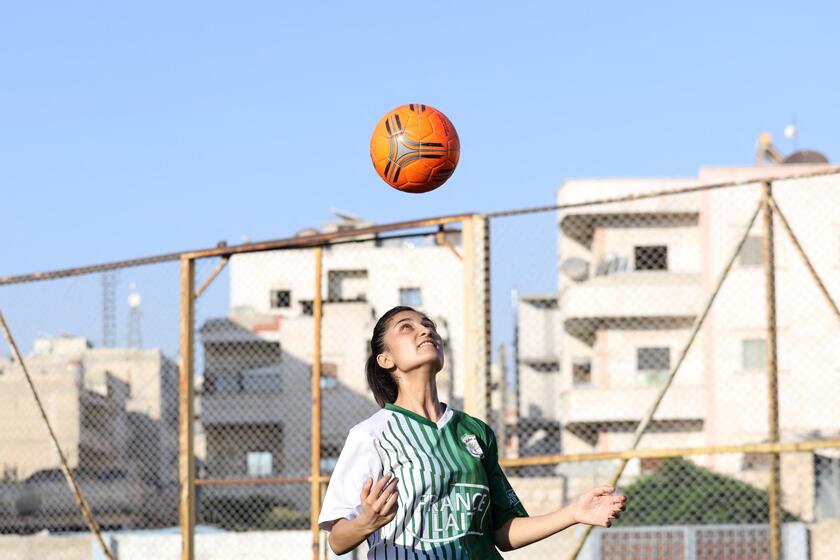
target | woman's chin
[{"x": 433, "y": 363}]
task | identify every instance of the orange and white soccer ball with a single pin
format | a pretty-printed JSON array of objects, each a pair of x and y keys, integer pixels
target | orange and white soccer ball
[{"x": 415, "y": 148}]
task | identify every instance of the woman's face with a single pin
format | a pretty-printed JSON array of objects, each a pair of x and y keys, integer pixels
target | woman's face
[{"x": 411, "y": 341}]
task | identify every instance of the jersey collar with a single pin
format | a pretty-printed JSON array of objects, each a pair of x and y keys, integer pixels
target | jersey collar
[{"x": 442, "y": 421}]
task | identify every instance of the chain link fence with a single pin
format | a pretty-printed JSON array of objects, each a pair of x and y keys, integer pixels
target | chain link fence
[
  {"x": 101, "y": 349},
  {"x": 255, "y": 397},
  {"x": 618, "y": 336},
  {"x": 647, "y": 328}
]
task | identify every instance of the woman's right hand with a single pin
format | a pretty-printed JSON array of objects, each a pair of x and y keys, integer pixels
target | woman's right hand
[{"x": 379, "y": 502}]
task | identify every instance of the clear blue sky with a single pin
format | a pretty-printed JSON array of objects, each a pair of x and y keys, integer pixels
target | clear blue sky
[{"x": 128, "y": 130}]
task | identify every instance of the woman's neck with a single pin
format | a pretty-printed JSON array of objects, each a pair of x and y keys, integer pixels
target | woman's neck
[{"x": 418, "y": 393}]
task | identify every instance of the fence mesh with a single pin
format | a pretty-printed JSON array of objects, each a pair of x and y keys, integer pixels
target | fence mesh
[
  {"x": 102, "y": 352},
  {"x": 598, "y": 330},
  {"x": 562, "y": 328}
]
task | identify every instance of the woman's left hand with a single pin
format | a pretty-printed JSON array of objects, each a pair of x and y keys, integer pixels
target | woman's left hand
[{"x": 599, "y": 507}]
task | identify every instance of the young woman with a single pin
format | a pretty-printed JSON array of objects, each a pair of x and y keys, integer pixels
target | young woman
[{"x": 420, "y": 480}]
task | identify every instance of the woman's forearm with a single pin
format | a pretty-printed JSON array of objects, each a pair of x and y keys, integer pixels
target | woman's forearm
[
  {"x": 348, "y": 534},
  {"x": 522, "y": 531}
]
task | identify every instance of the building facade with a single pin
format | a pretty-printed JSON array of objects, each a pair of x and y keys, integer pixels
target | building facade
[
  {"x": 633, "y": 277},
  {"x": 114, "y": 413}
]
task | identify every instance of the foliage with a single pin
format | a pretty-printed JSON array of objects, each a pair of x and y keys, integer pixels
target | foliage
[{"x": 682, "y": 493}]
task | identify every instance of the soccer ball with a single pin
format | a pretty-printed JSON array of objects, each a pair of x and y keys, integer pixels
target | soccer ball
[{"x": 415, "y": 148}]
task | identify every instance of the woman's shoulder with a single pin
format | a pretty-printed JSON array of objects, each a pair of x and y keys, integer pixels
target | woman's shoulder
[
  {"x": 372, "y": 426},
  {"x": 475, "y": 423}
]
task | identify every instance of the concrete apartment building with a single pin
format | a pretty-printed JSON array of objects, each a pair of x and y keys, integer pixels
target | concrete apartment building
[
  {"x": 633, "y": 277},
  {"x": 114, "y": 412},
  {"x": 256, "y": 406}
]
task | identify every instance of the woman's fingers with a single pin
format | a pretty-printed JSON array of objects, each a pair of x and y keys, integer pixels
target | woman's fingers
[
  {"x": 390, "y": 507},
  {"x": 366, "y": 488},
  {"x": 603, "y": 490},
  {"x": 389, "y": 492},
  {"x": 381, "y": 483}
]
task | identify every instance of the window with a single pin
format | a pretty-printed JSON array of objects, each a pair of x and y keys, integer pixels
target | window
[
  {"x": 653, "y": 364},
  {"x": 281, "y": 299},
  {"x": 543, "y": 366},
  {"x": 650, "y": 257},
  {"x": 329, "y": 375},
  {"x": 329, "y": 457},
  {"x": 752, "y": 252},
  {"x": 581, "y": 371},
  {"x": 411, "y": 297},
  {"x": 755, "y": 462},
  {"x": 827, "y": 478},
  {"x": 542, "y": 303},
  {"x": 307, "y": 307},
  {"x": 347, "y": 285},
  {"x": 259, "y": 463},
  {"x": 650, "y": 465},
  {"x": 261, "y": 381},
  {"x": 753, "y": 354}
]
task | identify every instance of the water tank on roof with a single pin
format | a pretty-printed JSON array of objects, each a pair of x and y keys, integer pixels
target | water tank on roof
[{"x": 805, "y": 156}]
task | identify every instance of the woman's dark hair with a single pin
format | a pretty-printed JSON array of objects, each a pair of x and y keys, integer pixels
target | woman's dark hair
[{"x": 380, "y": 380}]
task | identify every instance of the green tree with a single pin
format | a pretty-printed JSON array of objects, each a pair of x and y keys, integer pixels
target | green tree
[{"x": 682, "y": 493}]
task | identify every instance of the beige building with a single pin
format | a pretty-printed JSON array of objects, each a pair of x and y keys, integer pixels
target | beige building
[
  {"x": 633, "y": 277},
  {"x": 256, "y": 404},
  {"x": 114, "y": 413}
]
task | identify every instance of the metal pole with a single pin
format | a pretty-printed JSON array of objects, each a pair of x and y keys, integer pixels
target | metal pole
[
  {"x": 777, "y": 212},
  {"x": 216, "y": 271},
  {"x": 315, "y": 488},
  {"x": 501, "y": 426},
  {"x": 78, "y": 495},
  {"x": 772, "y": 373},
  {"x": 488, "y": 334},
  {"x": 186, "y": 436},
  {"x": 662, "y": 453},
  {"x": 471, "y": 338}
]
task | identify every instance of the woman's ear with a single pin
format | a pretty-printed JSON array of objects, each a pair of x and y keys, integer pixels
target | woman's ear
[{"x": 385, "y": 361}]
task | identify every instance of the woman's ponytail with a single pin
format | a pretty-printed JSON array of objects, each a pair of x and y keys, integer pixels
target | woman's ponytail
[{"x": 381, "y": 382}]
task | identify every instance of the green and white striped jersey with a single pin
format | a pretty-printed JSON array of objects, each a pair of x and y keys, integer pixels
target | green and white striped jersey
[{"x": 452, "y": 492}]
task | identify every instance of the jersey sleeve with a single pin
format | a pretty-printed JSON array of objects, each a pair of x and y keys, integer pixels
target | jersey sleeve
[
  {"x": 357, "y": 462},
  {"x": 504, "y": 503}
]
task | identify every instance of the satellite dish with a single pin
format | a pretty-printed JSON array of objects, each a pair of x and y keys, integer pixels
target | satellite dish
[
  {"x": 575, "y": 268},
  {"x": 805, "y": 156}
]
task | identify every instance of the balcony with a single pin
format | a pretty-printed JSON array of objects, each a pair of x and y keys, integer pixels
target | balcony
[
  {"x": 587, "y": 409},
  {"x": 633, "y": 300},
  {"x": 242, "y": 409},
  {"x": 581, "y": 224}
]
